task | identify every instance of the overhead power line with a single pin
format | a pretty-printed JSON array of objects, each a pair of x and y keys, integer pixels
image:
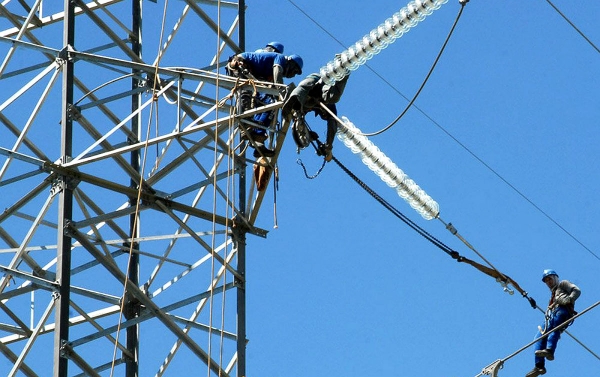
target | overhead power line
[
  {"x": 514, "y": 188},
  {"x": 493, "y": 368},
  {"x": 574, "y": 27},
  {"x": 491, "y": 271},
  {"x": 437, "y": 59}
]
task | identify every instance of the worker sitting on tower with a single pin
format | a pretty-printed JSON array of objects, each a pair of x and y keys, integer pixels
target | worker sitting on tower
[
  {"x": 264, "y": 66},
  {"x": 308, "y": 96},
  {"x": 560, "y": 310}
]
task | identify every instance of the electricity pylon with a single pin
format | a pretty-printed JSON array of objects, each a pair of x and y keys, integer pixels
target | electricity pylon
[{"x": 124, "y": 189}]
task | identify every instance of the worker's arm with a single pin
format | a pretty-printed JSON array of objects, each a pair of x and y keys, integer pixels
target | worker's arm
[
  {"x": 567, "y": 293},
  {"x": 277, "y": 74}
]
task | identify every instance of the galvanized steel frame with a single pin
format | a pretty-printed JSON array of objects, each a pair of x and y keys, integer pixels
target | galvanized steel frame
[{"x": 78, "y": 236}]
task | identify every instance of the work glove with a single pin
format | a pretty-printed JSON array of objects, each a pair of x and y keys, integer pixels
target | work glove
[{"x": 563, "y": 299}]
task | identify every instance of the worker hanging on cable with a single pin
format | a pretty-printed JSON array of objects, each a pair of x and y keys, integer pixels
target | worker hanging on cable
[
  {"x": 264, "y": 66},
  {"x": 308, "y": 96},
  {"x": 560, "y": 310}
]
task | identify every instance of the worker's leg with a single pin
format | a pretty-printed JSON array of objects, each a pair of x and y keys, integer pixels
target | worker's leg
[
  {"x": 560, "y": 316},
  {"x": 538, "y": 346}
]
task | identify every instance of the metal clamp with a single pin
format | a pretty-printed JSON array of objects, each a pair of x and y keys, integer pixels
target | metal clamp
[{"x": 493, "y": 368}]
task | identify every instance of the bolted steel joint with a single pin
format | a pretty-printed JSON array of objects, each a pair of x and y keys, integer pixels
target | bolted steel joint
[
  {"x": 65, "y": 55},
  {"x": 69, "y": 228},
  {"x": 74, "y": 112},
  {"x": 61, "y": 183},
  {"x": 65, "y": 349}
]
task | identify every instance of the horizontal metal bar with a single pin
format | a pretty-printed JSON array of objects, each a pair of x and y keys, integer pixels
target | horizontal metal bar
[
  {"x": 16, "y": 292},
  {"x": 72, "y": 322},
  {"x": 30, "y": 45},
  {"x": 22, "y": 157},
  {"x": 199, "y": 326},
  {"x": 103, "y": 367},
  {"x": 192, "y": 128},
  {"x": 21, "y": 177},
  {"x": 112, "y": 98},
  {"x": 147, "y": 314},
  {"x": 113, "y": 300},
  {"x": 51, "y": 285},
  {"x": 14, "y": 330},
  {"x": 59, "y": 17},
  {"x": 194, "y": 75}
]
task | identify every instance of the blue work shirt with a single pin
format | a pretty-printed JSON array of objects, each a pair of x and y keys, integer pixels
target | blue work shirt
[{"x": 261, "y": 64}]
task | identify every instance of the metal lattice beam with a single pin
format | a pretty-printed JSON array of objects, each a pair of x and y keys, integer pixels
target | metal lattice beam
[{"x": 124, "y": 189}]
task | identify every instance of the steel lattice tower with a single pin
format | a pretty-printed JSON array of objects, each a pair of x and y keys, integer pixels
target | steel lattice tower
[{"x": 123, "y": 189}]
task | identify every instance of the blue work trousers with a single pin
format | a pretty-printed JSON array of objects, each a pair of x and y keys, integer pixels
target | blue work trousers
[
  {"x": 557, "y": 317},
  {"x": 264, "y": 119}
]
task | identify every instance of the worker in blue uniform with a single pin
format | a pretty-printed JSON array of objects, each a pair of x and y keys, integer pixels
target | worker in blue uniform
[
  {"x": 561, "y": 309},
  {"x": 264, "y": 66}
]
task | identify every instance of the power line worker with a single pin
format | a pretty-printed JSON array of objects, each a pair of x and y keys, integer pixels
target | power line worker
[
  {"x": 307, "y": 97},
  {"x": 272, "y": 47},
  {"x": 264, "y": 66},
  {"x": 561, "y": 309}
]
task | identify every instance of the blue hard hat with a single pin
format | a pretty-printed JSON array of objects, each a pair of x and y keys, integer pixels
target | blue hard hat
[
  {"x": 548, "y": 273},
  {"x": 298, "y": 60},
  {"x": 278, "y": 47}
]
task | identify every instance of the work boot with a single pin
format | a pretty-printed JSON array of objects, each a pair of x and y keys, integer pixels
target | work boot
[
  {"x": 536, "y": 371},
  {"x": 261, "y": 149},
  {"x": 547, "y": 353}
]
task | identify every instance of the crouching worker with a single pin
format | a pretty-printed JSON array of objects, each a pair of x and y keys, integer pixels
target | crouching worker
[
  {"x": 263, "y": 66},
  {"x": 307, "y": 97},
  {"x": 560, "y": 310}
]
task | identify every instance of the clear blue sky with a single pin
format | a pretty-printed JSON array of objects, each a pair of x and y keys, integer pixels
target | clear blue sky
[{"x": 505, "y": 139}]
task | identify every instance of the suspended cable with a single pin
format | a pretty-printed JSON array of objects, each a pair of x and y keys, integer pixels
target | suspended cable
[
  {"x": 503, "y": 279},
  {"x": 389, "y": 84},
  {"x": 410, "y": 191},
  {"x": 493, "y": 272},
  {"x": 396, "y": 212},
  {"x": 438, "y": 125},
  {"x": 574, "y": 27},
  {"x": 407, "y": 189},
  {"x": 516, "y": 190},
  {"x": 101, "y": 86},
  {"x": 412, "y": 101},
  {"x": 418, "y": 199},
  {"x": 337, "y": 70},
  {"x": 493, "y": 368}
]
